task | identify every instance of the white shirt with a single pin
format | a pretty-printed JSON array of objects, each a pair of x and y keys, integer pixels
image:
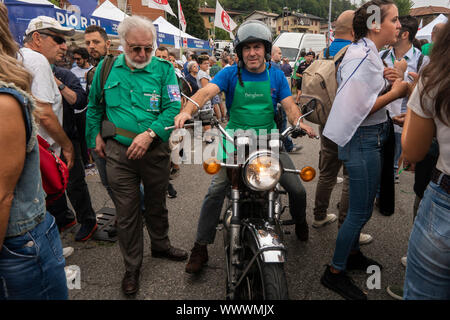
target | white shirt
[
  {"x": 442, "y": 130},
  {"x": 360, "y": 80},
  {"x": 81, "y": 74},
  {"x": 43, "y": 88},
  {"x": 202, "y": 74},
  {"x": 398, "y": 106}
]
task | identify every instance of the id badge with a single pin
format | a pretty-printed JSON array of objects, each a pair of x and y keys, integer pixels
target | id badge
[{"x": 153, "y": 102}]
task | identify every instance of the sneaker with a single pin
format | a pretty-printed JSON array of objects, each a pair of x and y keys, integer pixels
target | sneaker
[
  {"x": 86, "y": 231},
  {"x": 365, "y": 238},
  {"x": 339, "y": 180},
  {"x": 395, "y": 292},
  {"x": 358, "y": 261},
  {"x": 67, "y": 252},
  {"x": 342, "y": 284},
  {"x": 404, "y": 260},
  {"x": 67, "y": 225},
  {"x": 330, "y": 218},
  {"x": 198, "y": 258},
  {"x": 295, "y": 149},
  {"x": 302, "y": 231},
  {"x": 172, "y": 193}
]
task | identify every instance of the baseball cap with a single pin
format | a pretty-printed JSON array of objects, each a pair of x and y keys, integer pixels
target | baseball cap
[{"x": 44, "y": 22}]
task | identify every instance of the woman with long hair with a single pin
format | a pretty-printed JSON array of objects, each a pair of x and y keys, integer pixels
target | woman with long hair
[
  {"x": 428, "y": 116},
  {"x": 358, "y": 124},
  {"x": 31, "y": 257}
]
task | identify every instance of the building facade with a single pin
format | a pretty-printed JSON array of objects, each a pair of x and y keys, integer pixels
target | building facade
[
  {"x": 268, "y": 18},
  {"x": 208, "y": 16},
  {"x": 298, "y": 22},
  {"x": 428, "y": 14}
]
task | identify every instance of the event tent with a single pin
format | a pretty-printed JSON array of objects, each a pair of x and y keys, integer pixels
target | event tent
[
  {"x": 425, "y": 32},
  {"x": 108, "y": 10}
]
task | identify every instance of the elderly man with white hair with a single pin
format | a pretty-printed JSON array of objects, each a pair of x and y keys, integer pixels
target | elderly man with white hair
[{"x": 139, "y": 99}]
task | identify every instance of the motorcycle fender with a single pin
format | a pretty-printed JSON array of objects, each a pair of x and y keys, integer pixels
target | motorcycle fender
[{"x": 268, "y": 240}]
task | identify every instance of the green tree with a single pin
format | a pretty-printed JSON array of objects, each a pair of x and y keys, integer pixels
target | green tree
[
  {"x": 404, "y": 6},
  {"x": 195, "y": 26},
  {"x": 55, "y": 2}
]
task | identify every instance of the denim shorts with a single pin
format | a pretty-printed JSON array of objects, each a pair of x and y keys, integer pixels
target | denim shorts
[{"x": 32, "y": 265}]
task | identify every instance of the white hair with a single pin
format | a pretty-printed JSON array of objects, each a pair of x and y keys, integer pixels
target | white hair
[{"x": 134, "y": 22}]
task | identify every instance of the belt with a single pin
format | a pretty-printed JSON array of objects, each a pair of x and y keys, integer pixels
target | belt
[{"x": 443, "y": 182}]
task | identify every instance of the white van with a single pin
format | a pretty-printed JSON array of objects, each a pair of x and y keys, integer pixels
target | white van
[{"x": 291, "y": 43}]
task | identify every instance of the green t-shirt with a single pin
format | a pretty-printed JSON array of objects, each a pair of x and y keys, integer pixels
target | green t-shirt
[
  {"x": 294, "y": 75},
  {"x": 426, "y": 49},
  {"x": 214, "y": 70},
  {"x": 135, "y": 99}
]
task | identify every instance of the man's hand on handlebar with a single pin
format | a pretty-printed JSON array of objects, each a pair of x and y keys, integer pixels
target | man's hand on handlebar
[
  {"x": 181, "y": 118},
  {"x": 309, "y": 131}
]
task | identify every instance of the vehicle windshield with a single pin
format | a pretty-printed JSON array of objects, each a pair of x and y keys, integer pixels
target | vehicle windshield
[{"x": 290, "y": 53}]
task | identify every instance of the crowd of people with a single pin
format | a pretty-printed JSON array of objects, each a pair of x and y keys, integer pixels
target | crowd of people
[{"x": 391, "y": 110}]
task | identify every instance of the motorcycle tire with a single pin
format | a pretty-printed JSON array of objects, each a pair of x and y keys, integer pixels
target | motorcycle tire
[{"x": 264, "y": 281}]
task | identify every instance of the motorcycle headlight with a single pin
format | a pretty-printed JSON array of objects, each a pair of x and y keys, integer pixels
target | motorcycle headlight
[{"x": 262, "y": 171}]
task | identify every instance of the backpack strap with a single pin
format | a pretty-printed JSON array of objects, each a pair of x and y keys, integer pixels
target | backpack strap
[
  {"x": 108, "y": 63},
  {"x": 419, "y": 62},
  {"x": 327, "y": 53},
  {"x": 340, "y": 55}
]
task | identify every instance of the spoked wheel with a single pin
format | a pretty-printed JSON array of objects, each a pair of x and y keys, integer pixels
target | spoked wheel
[{"x": 264, "y": 281}]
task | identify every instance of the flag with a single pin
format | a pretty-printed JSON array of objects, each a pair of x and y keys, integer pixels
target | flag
[
  {"x": 222, "y": 19},
  {"x": 420, "y": 25},
  {"x": 181, "y": 17},
  {"x": 330, "y": 35},
  {"x": 159, "y": 4}
]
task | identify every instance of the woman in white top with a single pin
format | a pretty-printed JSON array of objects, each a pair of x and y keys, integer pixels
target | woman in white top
[
  {"x": 358, "y": 125},
  {"x": 428, "y": 115}
]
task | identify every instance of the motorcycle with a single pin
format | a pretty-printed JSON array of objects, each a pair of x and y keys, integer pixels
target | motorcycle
[{"x": 253, "y": 236}]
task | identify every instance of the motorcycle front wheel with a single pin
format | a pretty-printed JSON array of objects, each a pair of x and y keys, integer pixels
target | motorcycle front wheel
[{"x": 263, "y": 281}]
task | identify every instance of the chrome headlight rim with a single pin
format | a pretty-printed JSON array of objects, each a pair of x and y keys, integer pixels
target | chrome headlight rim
[{"x": 253, "y": 156}]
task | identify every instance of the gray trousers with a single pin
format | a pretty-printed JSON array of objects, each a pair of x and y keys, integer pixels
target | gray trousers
[
  {"x": 124, "y": 177},
  {"x": 329, "y": 166}
]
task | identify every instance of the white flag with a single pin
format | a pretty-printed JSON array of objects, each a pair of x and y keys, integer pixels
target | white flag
[
  {"x": 420, "y": 25},
  {"x": 181, "y": 17},
  {"x": 159, "y": 4},
  {"x": 223, "y": 20}
]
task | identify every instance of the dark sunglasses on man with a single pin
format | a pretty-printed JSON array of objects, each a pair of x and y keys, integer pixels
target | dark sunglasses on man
[
  {"x": 57, "y": 39},
  {"x": 138, "y": 49}
]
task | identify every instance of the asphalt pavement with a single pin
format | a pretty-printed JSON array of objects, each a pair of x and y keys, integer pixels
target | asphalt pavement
[{"x": 101, "y": 265}]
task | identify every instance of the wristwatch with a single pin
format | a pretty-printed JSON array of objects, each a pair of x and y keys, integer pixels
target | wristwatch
[
  {"x": 61, "y": 86},
  {"x": 151, "y": 133}
]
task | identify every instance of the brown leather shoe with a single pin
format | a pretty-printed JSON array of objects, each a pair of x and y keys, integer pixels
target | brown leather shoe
[
  {"x": 199, "y": 257},
  {"x": 130, "y": 282},
  {"x": 173, "y": 253}
]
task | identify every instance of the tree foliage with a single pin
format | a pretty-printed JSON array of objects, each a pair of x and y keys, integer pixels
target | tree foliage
[{"x": 404, "y": 6}]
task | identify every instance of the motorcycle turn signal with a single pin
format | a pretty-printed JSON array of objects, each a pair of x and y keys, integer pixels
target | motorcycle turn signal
[
  {"x": 307, "y": 173},
  {"x": 211, "y": 166}
]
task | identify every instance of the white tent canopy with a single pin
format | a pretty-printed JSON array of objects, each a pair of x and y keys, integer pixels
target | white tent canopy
[
  {"x": 425, "y": 32},
  {"x": 165, "y": 26},
  {"x": 39, "y": 2},
  {"x": 109, "y": 11}
]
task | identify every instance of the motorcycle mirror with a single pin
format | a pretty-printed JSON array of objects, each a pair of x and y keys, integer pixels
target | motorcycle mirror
[
  {"x": 309, "y": 107},
  {"x": 307, "y": 173},
  {"x": 211, "y": 166}
]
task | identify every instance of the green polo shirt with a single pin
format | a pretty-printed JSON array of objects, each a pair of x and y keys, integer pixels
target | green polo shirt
[
  {"x": 426, "y": 49},
  {"x": 135, "y": 100}
]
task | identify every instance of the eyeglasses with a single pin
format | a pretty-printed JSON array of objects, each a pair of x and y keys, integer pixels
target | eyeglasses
[
  {"x": 138, "y": 49},
  {"x": 57, "y": 39}
]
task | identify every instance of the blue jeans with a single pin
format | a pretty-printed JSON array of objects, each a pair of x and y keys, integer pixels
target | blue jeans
[
  {"x": 362, "y": 157},
  {"x": 428, "y": 270},
  {"x": 213, "y": 202},
  {"x": 32, "y": 265}
]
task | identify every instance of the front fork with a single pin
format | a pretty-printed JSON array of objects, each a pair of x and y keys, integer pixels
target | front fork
[{"x": 235, "y": 239}]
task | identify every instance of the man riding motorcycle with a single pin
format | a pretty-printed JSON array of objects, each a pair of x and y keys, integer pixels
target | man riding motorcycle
[{"x": 252, "y": 91}]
